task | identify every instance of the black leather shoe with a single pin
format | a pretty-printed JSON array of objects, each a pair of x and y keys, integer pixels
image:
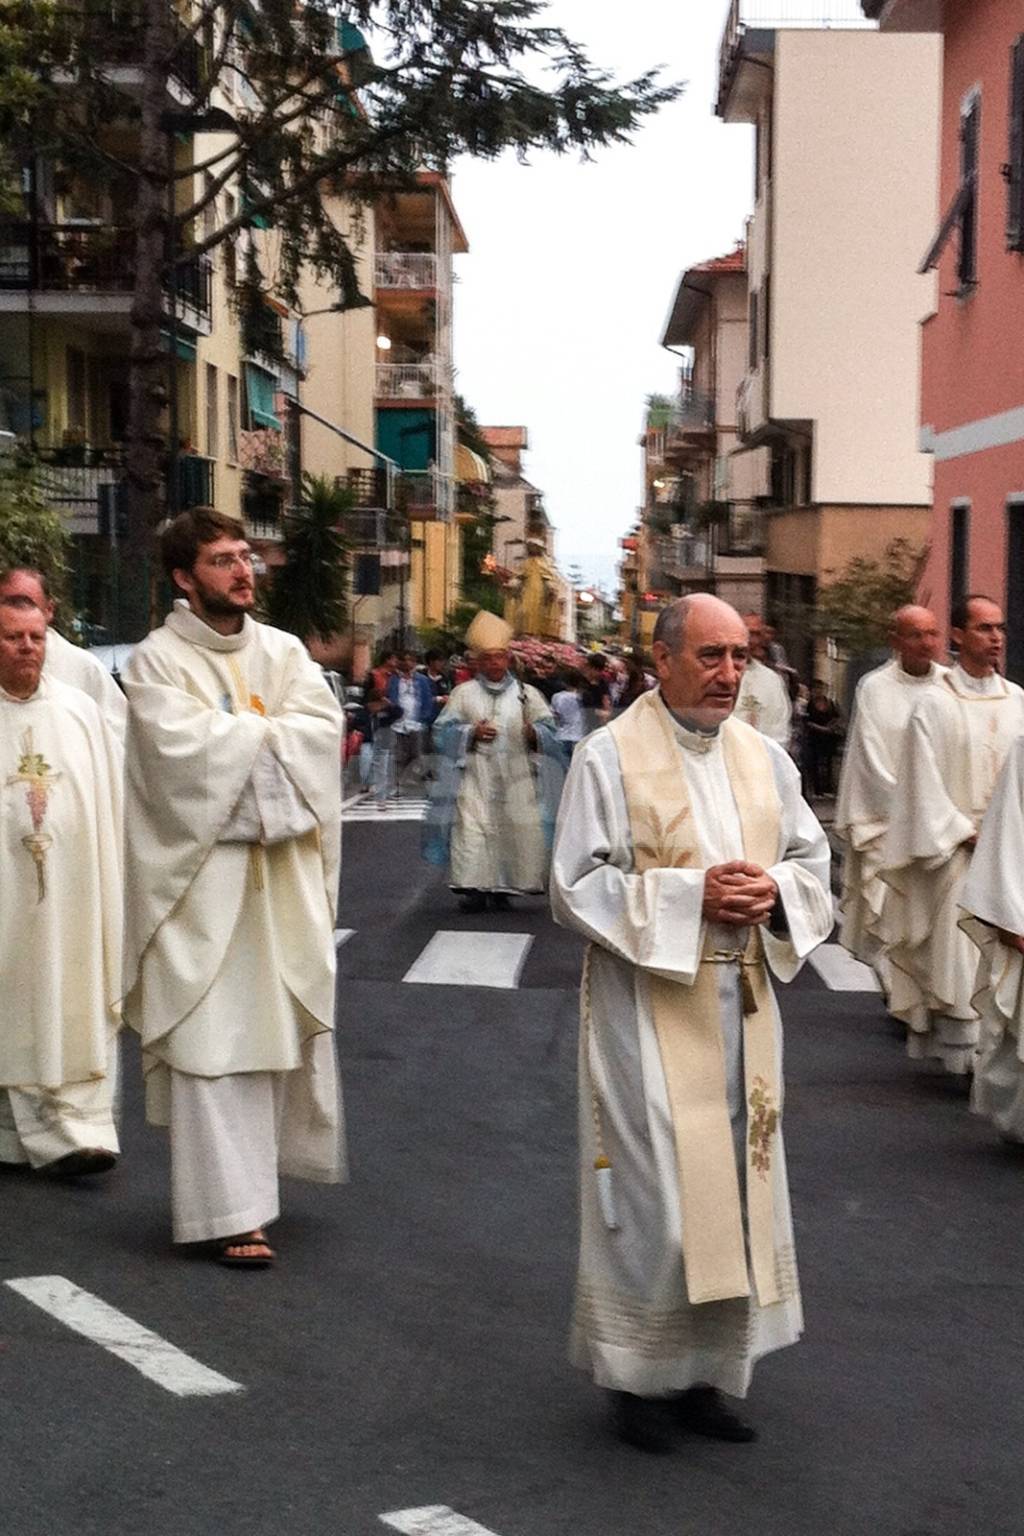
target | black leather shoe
[
  {"x": 500, "y": 902},
  {"x": 473, "y": 901},
  {"x": 703, "y": 1411},
  {"x": 640, "y": 1422}
]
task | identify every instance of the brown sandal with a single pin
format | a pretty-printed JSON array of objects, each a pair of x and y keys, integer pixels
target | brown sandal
[{"x": 228, "y": 1254}]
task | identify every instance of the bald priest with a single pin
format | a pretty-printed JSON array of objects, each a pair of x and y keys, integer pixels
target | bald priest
[{"x": 688, "y": 859}]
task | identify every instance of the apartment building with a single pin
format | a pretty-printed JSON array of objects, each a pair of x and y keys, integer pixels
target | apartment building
[
  {"x": 418, "y": 233},
  {"x": 830, "y": 387},
  {"x": 718, "y": 486},
  {"x": 972, "y": 406},
  {"x": 235, "y": 438}
]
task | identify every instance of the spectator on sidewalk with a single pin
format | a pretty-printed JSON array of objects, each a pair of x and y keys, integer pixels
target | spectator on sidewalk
[
  {"x": 409, "y": 691},
  {"x": 822, "y": 724}
]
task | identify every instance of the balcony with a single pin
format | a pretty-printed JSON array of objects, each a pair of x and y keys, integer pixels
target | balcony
[
  {"x": 67, "y": 258},
  {"x": 261, "y": 451},
  {"x": 409, "y": 270},
  {"x": 114, "y": 34},
  {"x": 423, "y": 380},
  {"x": 426, "y": 496},
  {"x": 72, "y": 480},
  {"x": 93, "y": 265},
  {"x": 743, "y": 531},
  {"x": 368, "y": 488}
]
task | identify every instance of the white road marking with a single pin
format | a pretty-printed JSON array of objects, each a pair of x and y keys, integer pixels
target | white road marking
[
  {"x": 342, "y": 936},
  {"x": 147, "y": 1352},
  {"x": 434, "y": 1520},
  {"x": 471, "y": 960},
  {"x": 841, "y": 972},
  {"x": 366, "y": 808}
]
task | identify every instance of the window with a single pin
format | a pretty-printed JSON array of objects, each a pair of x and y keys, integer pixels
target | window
[
  {"x": 232, "y": 419},
  {"x": 210, "y": 211},
  {"x": 766, "y": 316},
  {"x": 970, "y": 136},
  {"x": 1015, "y": 588},
  {"x": 1013, "y": 170},
  {"x": 752, "y": 323},
  {"x": 959, "y": 550},
  {"x": 962, "y": 213},
  {"x": 212, "y": 412}
]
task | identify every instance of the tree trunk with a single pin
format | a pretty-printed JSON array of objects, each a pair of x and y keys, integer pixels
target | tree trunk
[{"x": 151, "y": 368}]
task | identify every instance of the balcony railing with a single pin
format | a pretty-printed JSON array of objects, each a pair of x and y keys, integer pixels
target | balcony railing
[
  {"x": 89, "y": 258},
  {"x": 67, "y": 258},
  {"x": 405, "y": 269},
  {"x": 261, "y": 450},
  {"x": 410, "y": 381},
  {"x": 743, "y": 533},
  {"x": 426, "y": 495},
  {"x": 114, "y": 34},
  {"x": 73, "y": 478},
  {"x": 368, "y": 488}
]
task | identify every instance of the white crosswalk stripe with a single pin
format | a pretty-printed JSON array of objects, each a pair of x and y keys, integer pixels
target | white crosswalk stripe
[
  {"x": 454, "y": 959},
  {"x": 151, "y": 1355},
  {"x": 841, "y": 972},
  {"x": 434, "y": 1520},
  {"x": 397, "y": 808}
]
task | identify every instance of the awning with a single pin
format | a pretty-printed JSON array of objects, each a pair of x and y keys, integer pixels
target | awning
[
  {"x": 471, "y": 468},
  {"x": 260, "y": 388},
  {"x": 185, "y": 349}
]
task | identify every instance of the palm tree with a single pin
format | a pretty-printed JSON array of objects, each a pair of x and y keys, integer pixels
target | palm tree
[{"x": 308, "y": 595}]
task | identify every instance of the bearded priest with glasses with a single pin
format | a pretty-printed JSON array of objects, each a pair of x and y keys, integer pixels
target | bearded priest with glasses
[{"x": 233, "y": 843}]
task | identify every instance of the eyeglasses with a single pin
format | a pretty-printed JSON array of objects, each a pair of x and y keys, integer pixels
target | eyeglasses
[{"x": 225, "y": 562}]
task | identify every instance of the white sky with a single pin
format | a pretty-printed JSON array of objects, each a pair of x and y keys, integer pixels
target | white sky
[{"x": 561, "y": 301}]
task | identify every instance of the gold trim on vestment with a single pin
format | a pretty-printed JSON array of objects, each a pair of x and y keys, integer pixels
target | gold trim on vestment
[{"x": 688, "y": 1019}]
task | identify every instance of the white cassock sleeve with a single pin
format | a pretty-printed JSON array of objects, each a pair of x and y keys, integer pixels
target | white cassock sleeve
[
  {"x": 866, "y": 783},
  {"x": 802, "y": 874},
  {"x": 994, "y": 889},
  {"x": 653, "y": 920},
  {"x": 925, "y": 825}
]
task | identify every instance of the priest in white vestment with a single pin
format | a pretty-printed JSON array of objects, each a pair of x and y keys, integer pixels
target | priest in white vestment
[
  {"x": 688, "y": 858},
  {"x": 60, "y": 912},
  {"x": 993, "y": 903},
  {"x": 953, "y": 751},
  {"x": 67, "y": 663},
  {"x": 883, "y": 704},
  {"x": 499, "y": 778},
  {"x": 763, "y": 700},
  {"x": 232, "y": 851}
]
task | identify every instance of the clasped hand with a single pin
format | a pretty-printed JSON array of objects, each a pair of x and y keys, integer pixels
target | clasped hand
[{"x": 738, "y": 894}]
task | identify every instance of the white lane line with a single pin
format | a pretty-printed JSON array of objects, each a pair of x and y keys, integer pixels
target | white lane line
[
  {"x": 342, "y": 936},
  {"x": 471, "y": 960},
  {"x": 841, "y": 972},
  {"x": 434, "y": 1520},
  {"x": 147, "y": 1352}
]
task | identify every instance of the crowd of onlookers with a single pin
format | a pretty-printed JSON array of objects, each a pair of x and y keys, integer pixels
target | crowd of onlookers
[{"x": 390, "y": 716}]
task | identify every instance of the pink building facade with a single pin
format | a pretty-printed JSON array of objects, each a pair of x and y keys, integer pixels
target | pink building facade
[{"x": 972, "y": 398}]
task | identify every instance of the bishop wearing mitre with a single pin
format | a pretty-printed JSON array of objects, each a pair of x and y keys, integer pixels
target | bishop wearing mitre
[
  {"x": 60, "y": 912},
  {"x": 687, "y": 858},
  {"x": 232, "y": 851},
  {"x": 884, "y": 702},
  {"x": 499, "y": 776},
  {"x": 955, "y": 746}
]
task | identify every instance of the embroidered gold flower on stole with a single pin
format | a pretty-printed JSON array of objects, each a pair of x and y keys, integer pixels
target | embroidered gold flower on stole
[
  {"x": 764, "y": 1122},
  {"x": 659, "y": 845}
]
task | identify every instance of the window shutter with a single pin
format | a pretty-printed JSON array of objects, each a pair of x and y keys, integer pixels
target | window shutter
[
  {"x": 1015, "y": 163},
  {"x": 970, "y": 133}
]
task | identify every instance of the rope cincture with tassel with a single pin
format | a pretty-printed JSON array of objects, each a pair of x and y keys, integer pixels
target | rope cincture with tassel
[{"x": 602, "y": 1162}]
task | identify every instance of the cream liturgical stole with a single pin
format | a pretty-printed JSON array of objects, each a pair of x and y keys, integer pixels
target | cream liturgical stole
[{"x": 688, "y": 1019}]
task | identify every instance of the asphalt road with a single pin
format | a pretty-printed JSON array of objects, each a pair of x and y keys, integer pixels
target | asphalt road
[{"x": 409, "y": 1349}]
